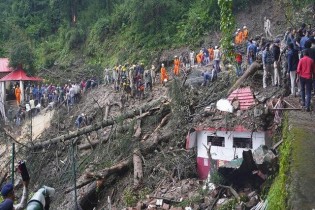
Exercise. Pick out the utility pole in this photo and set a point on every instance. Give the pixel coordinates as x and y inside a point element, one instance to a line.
<point>31,125</point>
<point>74,175</point>
<point>12,163</point>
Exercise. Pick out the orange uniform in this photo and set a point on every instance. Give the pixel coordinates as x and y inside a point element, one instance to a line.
<point>239,38</point>
<point>245,34</point>
<point>18,95</point>
<point>163,74</point>
<point>211,53</point>
<point>199,57</point>
<point>176,66</point>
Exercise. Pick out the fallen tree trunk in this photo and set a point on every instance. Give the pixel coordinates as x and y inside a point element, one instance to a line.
<point>250,71</point>
<point>124,128</point>
<point>138,129</point>
<point>105,173</point>
<point>146,148</point>
<point>106,111</point>
<point>137,168</point>
<point>99,125</point>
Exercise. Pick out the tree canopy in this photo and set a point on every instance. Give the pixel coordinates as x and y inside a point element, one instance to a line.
<point>104,32</point>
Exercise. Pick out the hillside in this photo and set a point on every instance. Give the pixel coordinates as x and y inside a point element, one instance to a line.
<point>59,35</point>
<point>132,153</point>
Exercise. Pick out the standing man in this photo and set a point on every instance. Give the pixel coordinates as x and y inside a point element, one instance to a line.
<point>153,75</point>
<point>293,60</point>
<point>245,33</point>
<point>268,60</point>
<point>176,66</point>
<point>217,58</point>
<point>164,76</point>
<point>276,55</point>
<point>305,72</point>
<point>192,58</point>
<point>147,80</point>
<point>267,26</point>
<point>251,52</point>
<point>238,59</point>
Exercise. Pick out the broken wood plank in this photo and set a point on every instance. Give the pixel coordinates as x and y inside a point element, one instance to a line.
<point>137,168</point>
<point>277,144</point>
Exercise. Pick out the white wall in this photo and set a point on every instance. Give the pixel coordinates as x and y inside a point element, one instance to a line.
<point>226,153</point>
<point>191,141</point>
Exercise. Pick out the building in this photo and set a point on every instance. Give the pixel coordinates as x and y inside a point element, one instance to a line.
<point>226,141</point>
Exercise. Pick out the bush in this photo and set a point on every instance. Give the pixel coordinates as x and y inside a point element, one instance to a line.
<point>75,37</point>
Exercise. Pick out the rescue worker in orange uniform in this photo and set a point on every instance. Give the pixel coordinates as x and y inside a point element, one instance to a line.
<point>237,41</point>
<point>211,53</point>
<point>18,95</point>
<point>164,76</point>
<point>176,66</point>
<point>199,58</point>
<point>245,33</point>
<point>240,36</point>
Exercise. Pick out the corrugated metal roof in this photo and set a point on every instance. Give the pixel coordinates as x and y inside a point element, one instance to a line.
<point>4,65</point>
<point>244,96</point>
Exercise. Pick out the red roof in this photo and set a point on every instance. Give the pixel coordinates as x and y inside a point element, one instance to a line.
<point>18,75</point>
<point>4,65</point>
<point>244,96</point>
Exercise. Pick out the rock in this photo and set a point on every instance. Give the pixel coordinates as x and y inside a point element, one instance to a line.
<point>140,206</point>
<point>261,98</point>
<point>252,194</point>
<point>236,105</point>
<point>252,202</point>
<point>185,189</point>
<point>239,113</point>
<point>221,202</point>
<point>240,207</point>
<point>262,155</point>
<point>151,206</point>
<point>203,206</point>
<point>165,206</point>
<point>258,112</point>
<point>214,193</point>
<point>207,201</point>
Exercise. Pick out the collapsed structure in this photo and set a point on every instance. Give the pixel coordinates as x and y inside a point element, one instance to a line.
<point>223,136</point>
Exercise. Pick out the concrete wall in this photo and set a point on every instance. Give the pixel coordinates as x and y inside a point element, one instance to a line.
<point>226,153</point>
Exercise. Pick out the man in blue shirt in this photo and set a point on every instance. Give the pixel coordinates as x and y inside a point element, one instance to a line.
<point>8,195</point>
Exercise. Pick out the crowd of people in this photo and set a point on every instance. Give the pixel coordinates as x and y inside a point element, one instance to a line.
<point>38,96</point>
<point>289,57</point>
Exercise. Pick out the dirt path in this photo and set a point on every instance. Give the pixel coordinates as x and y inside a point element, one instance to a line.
<point>39,123</point>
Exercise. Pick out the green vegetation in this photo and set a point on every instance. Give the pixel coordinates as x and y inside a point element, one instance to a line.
<point>101,32</point>
<point>108,32</point>
<point>278,194</point>
<point>227,27</point>
<point>231,204</point>
<point>129,197</point>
